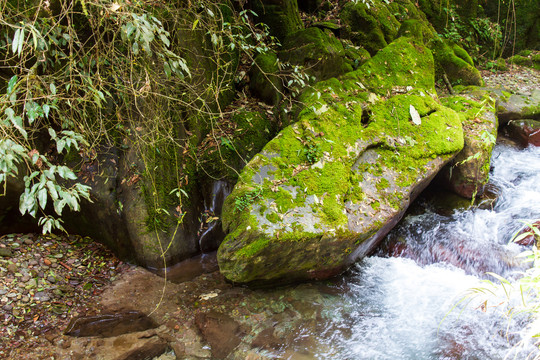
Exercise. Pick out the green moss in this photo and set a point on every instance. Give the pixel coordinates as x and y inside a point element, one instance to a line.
<point>332,210</point>
<point>320,53</point>
<point>458,66</point>
<point>273,217</point>
<point>370,26</point>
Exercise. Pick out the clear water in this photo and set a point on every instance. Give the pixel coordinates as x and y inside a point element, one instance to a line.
<point>401,307</point>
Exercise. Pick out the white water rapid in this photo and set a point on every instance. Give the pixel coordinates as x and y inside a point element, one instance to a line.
<point>399,308</point>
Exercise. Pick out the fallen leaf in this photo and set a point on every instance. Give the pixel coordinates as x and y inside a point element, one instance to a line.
<point>415,116</point>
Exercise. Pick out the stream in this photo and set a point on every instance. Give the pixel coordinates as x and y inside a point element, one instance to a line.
<point>401,307</point>
<point>406,301</point>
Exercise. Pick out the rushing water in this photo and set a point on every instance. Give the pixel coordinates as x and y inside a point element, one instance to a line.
<point>401,307</point>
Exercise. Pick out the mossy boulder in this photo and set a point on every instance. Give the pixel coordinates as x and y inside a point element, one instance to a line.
<point>468,172</point>
<point>372,26</point>
<point>324,191</point>
<point>265,82</point>
<point>281,16</point>
<point>318,51</point>
<point>517,106</point>
<point>455,63</point>
<point>224,157</point>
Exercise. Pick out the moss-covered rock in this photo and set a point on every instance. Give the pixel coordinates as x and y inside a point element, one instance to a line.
<point>516,106</point>
<point>225,157</point>
<point>265,82</point>
<point>329,187</point>
<point>455,63</point>
<point>319,52</point>
<point>281,16</point>
<point>468,172</point>
<point>370,26</point>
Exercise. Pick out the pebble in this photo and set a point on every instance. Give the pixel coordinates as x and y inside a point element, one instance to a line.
<point>32,262</point>
<point>47,262</point>
<point>12,268</point>
<point>41,296</point>
<point>11,295</point>
<point>7,307</point>
<point>25,299</point>
<point>3,292</point>
<point>25,278</point>
<point>51,279</point>
<point>28,242</point>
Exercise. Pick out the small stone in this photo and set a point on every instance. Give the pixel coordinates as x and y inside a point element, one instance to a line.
<point>5,252</point>
<point>25,278</point>
<point>12,268</point>
<point>54,265</point>
<point>7,307</point>
<point>47,262</point>
<point>15,312</point>
<point>25,299</point>
<point>32,263</point>
<point>28,241</point>
<point>51,279</point>
<point>11,295</point>
<point>41,296</point>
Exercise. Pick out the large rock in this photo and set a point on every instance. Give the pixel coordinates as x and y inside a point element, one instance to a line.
<point>281,16</point>
<point>328,188</point>
<point>468,172</point>
<point>517,106</point>
<point>319,52</point>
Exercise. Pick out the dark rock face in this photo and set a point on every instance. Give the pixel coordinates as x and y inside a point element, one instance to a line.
<point>282,16</point>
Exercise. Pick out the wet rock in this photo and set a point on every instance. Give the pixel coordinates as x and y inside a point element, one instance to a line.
<point>517,106</point>
<point>220,331</point>
<point>468,172</point>
<point>267,340</point>
<point>108,325</point>
<point>529,239</point>
<point>526,132</point>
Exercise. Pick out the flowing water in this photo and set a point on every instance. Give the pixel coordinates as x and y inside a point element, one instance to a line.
<point>400,307</point>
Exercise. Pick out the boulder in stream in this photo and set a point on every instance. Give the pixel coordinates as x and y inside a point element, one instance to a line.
<point>324,191</point>
<point>468,172</point>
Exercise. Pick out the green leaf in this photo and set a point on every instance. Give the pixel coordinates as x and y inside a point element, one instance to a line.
<point>53,88</point>
<point>46,109</point>
<point>11,84</point>
<point>42,198</point>
<point>60,145</point>
<point>165,40</point>
<point>135,48</point>
<point>52,133</point>
<point>15,42</point>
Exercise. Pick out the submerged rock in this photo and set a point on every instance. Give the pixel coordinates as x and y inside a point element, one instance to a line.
<point>329,187</point>
<point>108,325</point>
